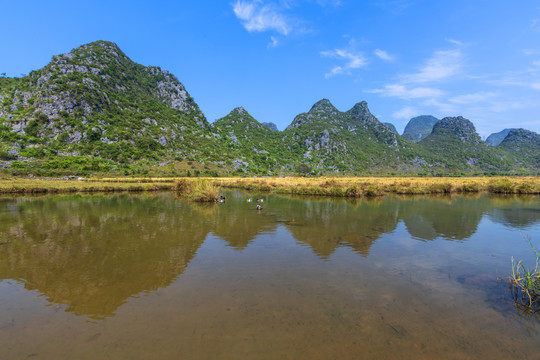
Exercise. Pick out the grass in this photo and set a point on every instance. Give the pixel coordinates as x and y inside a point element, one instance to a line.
<point>197,190</point>
<point>525,283</point>
<point>377,186</point>
<point>352,187</point>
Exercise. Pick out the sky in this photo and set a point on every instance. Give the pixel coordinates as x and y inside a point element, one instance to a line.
<point>479,59</point>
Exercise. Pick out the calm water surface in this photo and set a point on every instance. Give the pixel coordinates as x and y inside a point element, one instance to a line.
<point>151,276</point>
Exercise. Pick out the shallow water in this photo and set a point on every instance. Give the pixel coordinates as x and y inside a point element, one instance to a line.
<point>151,276</point>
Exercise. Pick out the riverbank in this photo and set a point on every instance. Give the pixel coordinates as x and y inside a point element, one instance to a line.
<point>377,186</point>
<point>324,186</point>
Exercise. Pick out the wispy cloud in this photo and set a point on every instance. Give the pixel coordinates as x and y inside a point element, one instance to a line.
<point>474,98</point>
<point>383,55</point>
<point>535,25</point>
<point>394,6</point>
<point>333,3</point>
<point>441,65</point>
<point>402,92</point>
<point>352,60</point>
<point>274,42</point>
<point>405,113</point>
<point>259,17</point>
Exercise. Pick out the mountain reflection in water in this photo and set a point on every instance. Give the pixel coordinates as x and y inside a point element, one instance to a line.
<point>93,252</point>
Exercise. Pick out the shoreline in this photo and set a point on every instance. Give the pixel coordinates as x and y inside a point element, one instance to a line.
<point>321,186</point>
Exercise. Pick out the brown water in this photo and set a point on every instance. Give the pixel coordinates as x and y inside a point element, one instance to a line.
<point>153,277</point>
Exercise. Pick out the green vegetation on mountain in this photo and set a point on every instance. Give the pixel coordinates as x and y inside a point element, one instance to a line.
<point>250,145</point>
<point>454,145</point>
<point>94,111</point>
<point>328,140</point>
<point>525,145</point>
<point>391,127</point>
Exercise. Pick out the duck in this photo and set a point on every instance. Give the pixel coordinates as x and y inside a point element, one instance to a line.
<point>259,207</point>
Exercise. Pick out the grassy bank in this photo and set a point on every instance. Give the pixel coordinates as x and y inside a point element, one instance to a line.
<point>325,186</point>
<point>376,186</point>
<point>36,186</point>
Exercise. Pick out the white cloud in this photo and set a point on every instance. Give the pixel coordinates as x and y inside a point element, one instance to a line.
<point>335,71</point>
<point>334,3</point>
<point>443,64</point>
<point>405,113</point>
<point>353,60</point>
<point>274,42</point>
<point>257,17</point>
<point>529,51</point>
<point>402,92</point>
<point>383,55</point>
<point>472,98</point>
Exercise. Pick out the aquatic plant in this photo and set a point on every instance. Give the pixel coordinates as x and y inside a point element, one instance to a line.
<point>525,282</point>
<point>204,191</point>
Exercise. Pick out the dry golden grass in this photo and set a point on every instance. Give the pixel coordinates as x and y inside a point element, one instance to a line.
<point>374,186</point>
<point>326,186</point>
<point>15,186</point>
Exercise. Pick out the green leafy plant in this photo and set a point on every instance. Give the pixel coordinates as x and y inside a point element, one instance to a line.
<point>525,282</point>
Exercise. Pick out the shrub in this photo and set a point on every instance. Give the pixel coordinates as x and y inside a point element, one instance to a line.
<point>502,186</point>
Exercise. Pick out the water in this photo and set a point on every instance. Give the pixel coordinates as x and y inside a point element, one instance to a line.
<point>151,276</point>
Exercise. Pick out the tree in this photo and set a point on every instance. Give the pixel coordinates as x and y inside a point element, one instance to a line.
<point>303,169</point>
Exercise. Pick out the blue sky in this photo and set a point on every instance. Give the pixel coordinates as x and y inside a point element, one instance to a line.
<point>475,58</point>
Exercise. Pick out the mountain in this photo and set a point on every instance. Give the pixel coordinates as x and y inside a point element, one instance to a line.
<point>391,127</point>
<point>353,141</point>
<point>95,111</point>
<point>454,144</point>
<point>525,145</point>
<point>496,138</point>
<point>271,126</point>
<point>251,146</point>
<point>95,101</point>
<point>419,127</point>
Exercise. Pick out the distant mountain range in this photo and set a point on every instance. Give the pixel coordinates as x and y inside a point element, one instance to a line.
<point>95,110</point>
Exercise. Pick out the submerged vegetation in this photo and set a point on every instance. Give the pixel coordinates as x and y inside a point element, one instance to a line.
<point>525,284</point>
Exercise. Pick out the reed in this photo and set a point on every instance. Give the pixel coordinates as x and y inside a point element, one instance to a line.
<point>201,190</point>
<point>353,187</point>
<point>525,283</point>
<point>204,191</point>
<point>376,186</point>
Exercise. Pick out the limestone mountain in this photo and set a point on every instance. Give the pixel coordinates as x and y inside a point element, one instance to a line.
<point>391,127</point>
<point>96,101</point>
<point>419,127</point>
<point>250,145</point>
<point>327,139</point>
<point>454,144</point>
<point>525,145</point>
<point>496,138</point>
<point>271,126</point>
<point>94,110</point>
